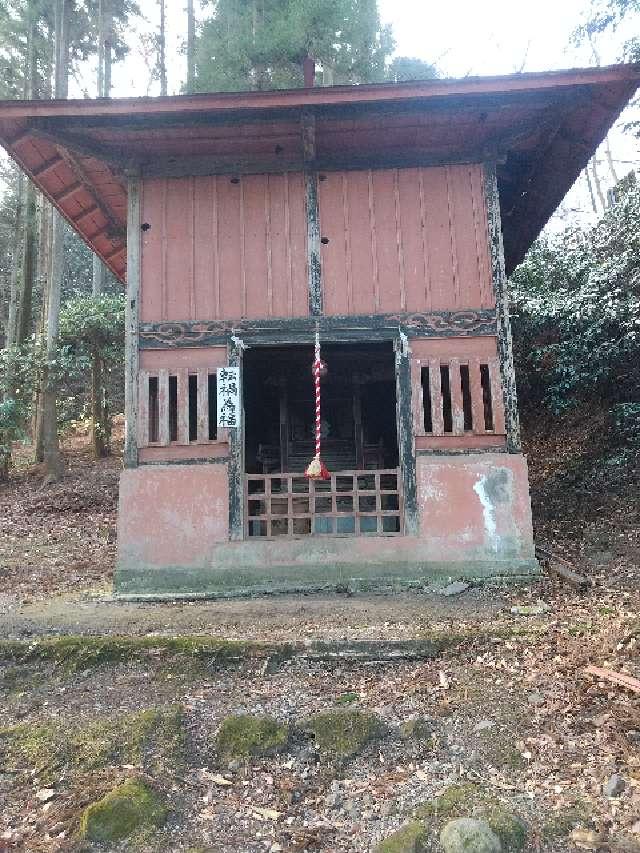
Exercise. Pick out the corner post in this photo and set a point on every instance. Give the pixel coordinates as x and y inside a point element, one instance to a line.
<point>308,128</point>
<point>236,452</point>
<point>404,416</point>
<point>499,278</point>
<point>131,323</point>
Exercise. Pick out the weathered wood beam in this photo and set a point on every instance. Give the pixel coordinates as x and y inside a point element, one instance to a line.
<point>314,264</point>
<point>131,323</point>
<point>404,420</point>
<point>82,145</point>
<point>236,453</point>
<point>439,324</point>
<point>505,344</point>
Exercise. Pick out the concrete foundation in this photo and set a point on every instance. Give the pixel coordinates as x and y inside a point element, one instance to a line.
<point>475,522</point>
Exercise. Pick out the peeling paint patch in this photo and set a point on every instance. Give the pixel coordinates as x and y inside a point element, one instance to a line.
<point>480,487</point>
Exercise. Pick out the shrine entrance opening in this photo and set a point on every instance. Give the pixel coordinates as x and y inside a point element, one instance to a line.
<point>359,442</point>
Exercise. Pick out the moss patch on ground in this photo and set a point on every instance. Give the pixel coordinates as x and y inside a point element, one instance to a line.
<point>412,838</point>
<point>125,810</point>
<point>152,739</point>
<point>243,736</point>
<point>342,734</point>
<point>79,653</point>
<point>473,801</point>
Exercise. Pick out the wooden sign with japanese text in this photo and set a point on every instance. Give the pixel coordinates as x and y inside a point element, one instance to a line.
<point>228,394</point>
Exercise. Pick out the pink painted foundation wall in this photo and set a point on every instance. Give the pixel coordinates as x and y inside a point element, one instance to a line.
<point>172,516</point>
<point>475,507</point>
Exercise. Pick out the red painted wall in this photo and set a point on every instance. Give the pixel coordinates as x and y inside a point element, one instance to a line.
<point>395,240</point>
<point>217,249</point>
<point>404,240</point>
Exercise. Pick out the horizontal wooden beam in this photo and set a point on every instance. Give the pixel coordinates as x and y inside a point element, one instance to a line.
<point>440,324</point>
<point>86,147</point>
<point>176,167</point>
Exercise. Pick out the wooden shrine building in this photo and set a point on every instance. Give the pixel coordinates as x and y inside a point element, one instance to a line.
<point>385,216</point>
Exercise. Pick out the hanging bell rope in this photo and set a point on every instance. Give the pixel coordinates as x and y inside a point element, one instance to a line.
<point>316,470</point>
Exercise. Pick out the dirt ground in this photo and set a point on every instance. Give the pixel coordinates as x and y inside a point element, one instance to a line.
<point>505,707</point>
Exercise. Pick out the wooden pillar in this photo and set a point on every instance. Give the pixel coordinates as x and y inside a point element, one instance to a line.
<point>131,324</point>
<point>308,126</point>
<point>236,452</point>
<point>505,344</point>
<point>404,418</point>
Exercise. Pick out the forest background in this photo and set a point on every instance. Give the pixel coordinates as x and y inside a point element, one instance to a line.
<point>575,299</point>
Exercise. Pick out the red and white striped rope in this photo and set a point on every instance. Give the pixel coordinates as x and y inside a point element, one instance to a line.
<point>317,365</point>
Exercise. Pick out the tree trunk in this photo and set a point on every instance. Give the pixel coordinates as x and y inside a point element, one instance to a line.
<point>612,168</point>
<point>105,38</point>
<point>50,445</point>
<point>13,319</point>
<point>25,306</point>
<point>97,411</point>
<point>191,47</point>
<point>597,184</point>
<point>162,64</point>
<point>594,206</point>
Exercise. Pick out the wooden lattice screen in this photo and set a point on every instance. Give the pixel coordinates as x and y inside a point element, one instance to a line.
<point>351,503</point>
<point>458,396</point>
<point>177,407</point>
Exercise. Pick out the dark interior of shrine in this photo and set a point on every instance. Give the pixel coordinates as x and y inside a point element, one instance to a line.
<point>358,408</point>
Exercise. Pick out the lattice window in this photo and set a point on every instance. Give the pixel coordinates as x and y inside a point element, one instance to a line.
<point>458,397</point>
<point>351,503</point>
<point>177,407</point>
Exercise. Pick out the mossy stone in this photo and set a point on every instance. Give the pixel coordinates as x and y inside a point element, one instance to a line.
<point>343,733</point>
<point>467,835</point>
<point>461,801</point>
<point>412,838</point>
<point>125,810</point>
<point>242,736</point>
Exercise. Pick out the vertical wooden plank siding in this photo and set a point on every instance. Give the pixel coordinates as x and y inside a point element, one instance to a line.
<point>178,242</point>
<point>224,247</point>
<point>163,407</point>
<point>455,384</point>
<point>475,387</point>
<point>151,253</point>
<point>256,266</point>
<point>435,389</point>
<point>404,239</point>
<point>203,405</point>
<point>143,409</point>
<point>183,405</point>
<point>417,396</point>
<point>505,345</point>
<point>495,378</point>
<point>131,324</point>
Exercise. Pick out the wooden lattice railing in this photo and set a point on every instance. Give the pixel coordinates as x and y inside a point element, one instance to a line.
<point>351,503</point>
<point>177,407</point>
<point>458,396</point>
